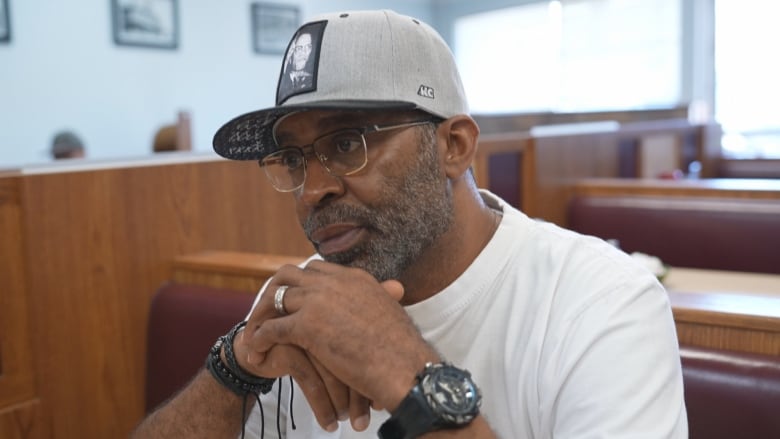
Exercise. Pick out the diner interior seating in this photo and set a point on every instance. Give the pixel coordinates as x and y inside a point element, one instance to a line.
<point>695,232</point>
<point>112,230</point>
<point>184,322</point>
<point>728,394</point>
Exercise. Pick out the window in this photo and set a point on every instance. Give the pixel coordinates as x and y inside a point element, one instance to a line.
<point>747,93</point>
<point>572,56</point>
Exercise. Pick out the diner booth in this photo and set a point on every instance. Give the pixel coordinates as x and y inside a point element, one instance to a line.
<point>117,275</point>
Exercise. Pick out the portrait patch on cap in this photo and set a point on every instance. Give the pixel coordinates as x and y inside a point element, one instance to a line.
<point>301,60</point>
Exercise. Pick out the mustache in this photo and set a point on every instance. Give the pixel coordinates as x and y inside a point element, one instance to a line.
<point>337,213</point>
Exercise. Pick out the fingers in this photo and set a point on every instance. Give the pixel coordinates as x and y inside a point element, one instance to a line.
<point>339,393</point>
<point>289,360</point>
<point>327,304</point>
<point>394,289</point>
<point>316,391</point>
<point>359,410</point>
<point>298,281</point>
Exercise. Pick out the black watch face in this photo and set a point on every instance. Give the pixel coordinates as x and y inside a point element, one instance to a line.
<point>452,394</point>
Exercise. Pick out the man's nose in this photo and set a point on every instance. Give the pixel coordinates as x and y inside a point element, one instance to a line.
<point>319,184</point>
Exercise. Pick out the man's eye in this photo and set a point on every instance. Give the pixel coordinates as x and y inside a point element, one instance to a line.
<point>291,160</point>
<point>346,144</point>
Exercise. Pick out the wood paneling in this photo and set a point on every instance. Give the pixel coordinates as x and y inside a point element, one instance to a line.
<point>550,163</point>
<point>743,321</point>
<point>756,168</point>
<point>709,187</point>
<point>713,335</point>
<point>95,245</point>
<point>725,309</point>
<point>498,165</point>
<point>747,321</point>
<point>18,417</point>
<point>232,270</point>
<point>490,124</point>
<point>553,165</point>
<point>22,421</point>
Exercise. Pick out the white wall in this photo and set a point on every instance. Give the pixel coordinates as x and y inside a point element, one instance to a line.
<point>62,70</point>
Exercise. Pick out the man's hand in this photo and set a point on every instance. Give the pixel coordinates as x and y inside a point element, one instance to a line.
<point>352,329</point>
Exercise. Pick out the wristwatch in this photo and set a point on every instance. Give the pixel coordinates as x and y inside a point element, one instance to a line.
<point>444,397</point>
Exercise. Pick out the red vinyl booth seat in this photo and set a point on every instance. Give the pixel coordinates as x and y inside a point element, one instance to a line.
<point>184,322</point>
<point>717,234</point>
<point>728,394</point>
<point>731,394</point>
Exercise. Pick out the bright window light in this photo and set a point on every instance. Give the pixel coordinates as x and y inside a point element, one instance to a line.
<point>747,40</point>
<point>574,56</point>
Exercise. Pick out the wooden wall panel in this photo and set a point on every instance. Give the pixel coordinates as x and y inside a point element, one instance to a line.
<point>17,370</point>
<point>746,321</point>
<point>490,124</point>
<point>729,338</point>
<point>232,270</point>
<point>552,165</point>
<point>763,189</point>
<point>498,165</point>
<point>552,160</point>
<point>22,421</point>
<point>97,245</point>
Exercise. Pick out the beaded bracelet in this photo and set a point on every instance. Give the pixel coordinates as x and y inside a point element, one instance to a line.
<point>232,375</point>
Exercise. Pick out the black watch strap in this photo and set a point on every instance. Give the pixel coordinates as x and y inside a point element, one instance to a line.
<point>443,397</point>
<point>409,409</point>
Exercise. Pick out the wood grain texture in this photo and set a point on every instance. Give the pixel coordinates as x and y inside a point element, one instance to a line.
<point>728,337</point>
<point>498,148</point>
<point>21,421</point>
<point>746,321</point>
<point>17,369</point>
<point>765,189</point>
<point>725,309</point>
<point>552,165</point>
<point>232,270</point>
<point>96,245</point>
<point>743,168</point>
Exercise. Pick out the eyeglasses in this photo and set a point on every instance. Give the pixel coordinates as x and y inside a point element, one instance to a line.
<point>341,153</point>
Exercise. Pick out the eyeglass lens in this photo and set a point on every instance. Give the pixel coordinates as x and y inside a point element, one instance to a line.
<point>341,153</point>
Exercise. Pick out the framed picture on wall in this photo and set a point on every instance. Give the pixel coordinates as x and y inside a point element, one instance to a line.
<point>146,23</point>
<point>5,22</point>
<point>272,27</point>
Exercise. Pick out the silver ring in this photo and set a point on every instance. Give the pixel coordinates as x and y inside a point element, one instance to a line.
<point>279,300</point>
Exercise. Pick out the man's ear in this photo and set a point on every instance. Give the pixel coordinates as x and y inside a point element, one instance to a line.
<point>458,136</point>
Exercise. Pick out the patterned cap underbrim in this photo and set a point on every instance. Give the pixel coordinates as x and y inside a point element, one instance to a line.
<point>250,136</point>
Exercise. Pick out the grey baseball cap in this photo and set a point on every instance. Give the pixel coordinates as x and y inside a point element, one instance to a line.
<point>361,60</point>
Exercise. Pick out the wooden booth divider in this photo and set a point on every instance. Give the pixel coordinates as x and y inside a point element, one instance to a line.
<point>83,248</point>
<point>712,308</point>
<point>537,170</point>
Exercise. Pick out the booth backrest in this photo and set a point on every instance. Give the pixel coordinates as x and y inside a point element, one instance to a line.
<point>731,395</point>
<point>728,394</point>
<point>720,234</point>
<point>184,322</point>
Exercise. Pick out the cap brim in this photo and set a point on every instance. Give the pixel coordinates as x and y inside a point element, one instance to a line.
<point>250,136</point>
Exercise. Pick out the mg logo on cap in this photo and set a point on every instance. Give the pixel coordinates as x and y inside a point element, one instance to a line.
<point>425,91</point>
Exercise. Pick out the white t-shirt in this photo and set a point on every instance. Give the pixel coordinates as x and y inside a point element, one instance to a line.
<point>566,336</point>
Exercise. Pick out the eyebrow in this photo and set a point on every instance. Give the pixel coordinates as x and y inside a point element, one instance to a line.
<point>342,120</point>
<point>346,120</point>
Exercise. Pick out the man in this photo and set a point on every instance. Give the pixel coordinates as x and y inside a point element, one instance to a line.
<point>297,75</point>
<point>67,145</point>
<point>431,308</point>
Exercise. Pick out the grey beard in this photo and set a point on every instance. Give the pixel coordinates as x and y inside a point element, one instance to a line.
<point>412,213</point>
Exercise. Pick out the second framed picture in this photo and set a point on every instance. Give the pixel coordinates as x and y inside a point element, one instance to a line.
<point>146,23</point>
<point>5,22</point>
<point>272,27</point>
